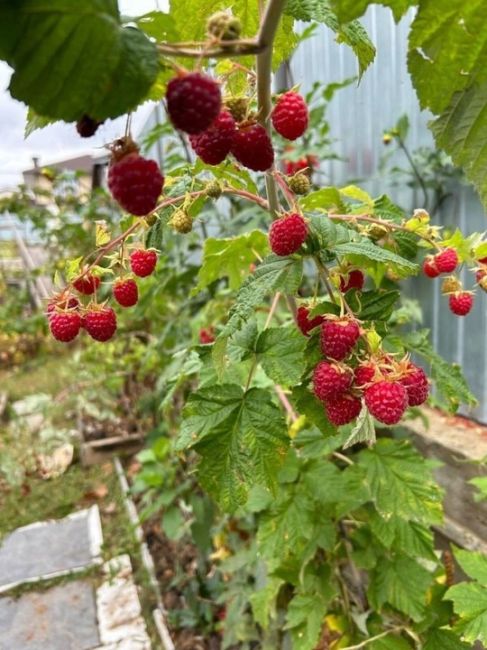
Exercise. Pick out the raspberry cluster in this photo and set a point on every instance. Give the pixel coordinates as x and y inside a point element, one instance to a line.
<point>67,315</point>
<point>460,301</point>
<point>346,382</point>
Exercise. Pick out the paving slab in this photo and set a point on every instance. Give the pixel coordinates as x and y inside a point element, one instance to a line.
<point>61,618</point>
<point>52,548</point>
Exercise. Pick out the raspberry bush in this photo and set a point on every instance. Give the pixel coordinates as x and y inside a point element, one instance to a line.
<point>282,359</point>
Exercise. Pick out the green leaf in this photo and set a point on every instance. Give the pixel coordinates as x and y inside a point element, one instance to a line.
<point>442,639</point>
<point>173,523</point>
<point>470,603</point>
<point>326,199</point>
<point>402,583</point>
<point>363,430</point>
<point>401,482</point>
<point>448,377</point>
<point>61,81</point>
<point>409,537</point>
<point>349,9</point>
<point>474,564</point>
<point>263,602</point>
<point>241,438</point>
<point>305,619</point>
<point>34,122</point>
<point>281,354</point>
<point>377,305</point>
<point>158,25</point>
<point>230,258</point>
<point>307,404</point>
<point>273,274</point>
<point>372,252</point>
<point>480,482</point>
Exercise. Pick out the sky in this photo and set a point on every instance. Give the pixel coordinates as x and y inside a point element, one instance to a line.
<point>54,142</point>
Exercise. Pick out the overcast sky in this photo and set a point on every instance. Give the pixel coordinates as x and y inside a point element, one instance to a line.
<point>53,142</point>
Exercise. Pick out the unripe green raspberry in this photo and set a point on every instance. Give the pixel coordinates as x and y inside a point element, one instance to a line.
<point>150,219</point>
<point>181,222</point>
<point>238,107</point>
<point>375,231</point>
<point>299,184</point>
<point>223,25</point>
<point>451,284</point>
<point>214,189</point>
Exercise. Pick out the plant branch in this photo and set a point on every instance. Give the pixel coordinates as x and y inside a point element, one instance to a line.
<point>419,178</point>
<point>373,638</point>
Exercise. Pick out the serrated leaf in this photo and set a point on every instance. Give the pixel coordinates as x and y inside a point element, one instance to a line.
<point>442,639</point>
<point>372,252</point>
<point>230,258</point>
<point>401,482</point>
<point>470,603</point>
<point>281,354</point>
<point>357,193</point>
<point>352,34</point>
<point>307,404</point>
<point>102,234</point>
<point>35,122</point>
<point>61,81</point>
<point>263,601</point>
<point>402,583</point>
<point>377,305</point>
<point>350,9</point>
<point>72,268</point>
<point>241,438</point>
<point>474,564</point>
<point>409,537</point>
<point>363,430</point>
<point>305,616</point>
<point>386,209</point>
<point>273,274</point>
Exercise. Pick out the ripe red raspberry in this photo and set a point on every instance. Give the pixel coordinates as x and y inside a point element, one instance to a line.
<point>65,325</point>
<point>386,401</point>
<point>306,324</point>
<point>447,260</point>
<point>125,292</point>
<point>287,234</point>
<point>290,115</point>
<point>87,126</point>
<point>338,337</point>
<point>343,409</point>
<point>305,165</point>
<point>330,381</point>
<point>193,102</point>
<point>416,384</point>
<point>143,262</point>
<point>214,144</point>
<point>363,375</point>
<point>429,267</point>
<point>87,284</point>
<point>482,260</point>
<point>100,323</point>
<point>354,280</point>
<point>252,147</point>
<point>135,183</point>
<point>206,335</point>
<point>461,302</point>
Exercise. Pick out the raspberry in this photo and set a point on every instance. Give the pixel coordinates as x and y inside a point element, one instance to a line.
<point>214,189</point>
<point>461,302</point>
<point>354,280</point>
<point>287,234</point>
<point>299,184</point>
<point>135,183</point>
<point>214,144</point>
<point>343,409</point>
<point>193,102</point>
<point>363,375</point>
<point>252,147</point>
<point>338,337</point>
<point>447,260</point>
<point>482,260</point>
<point>386,401</point>
<point>224,26</point>
<point>480,275</point>
<point>100,323</point>
<point>330,381</point>
<point>65,325</point>
<point>238,107</point>
<point>290,115</point>
<point>181,221</point>
<point>125,292</point>
<point>87,126</point>
<point>143,262</point>
<point>206,335</point>
<point>429,267</point>
<point>87,284</point>
<point>306,324</point>
<point>416,385</point>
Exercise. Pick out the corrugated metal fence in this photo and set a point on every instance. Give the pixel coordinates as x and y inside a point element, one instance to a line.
<point>358,118</point>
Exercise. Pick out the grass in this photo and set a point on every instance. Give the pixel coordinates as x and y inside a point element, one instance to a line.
<point>45,374</point>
